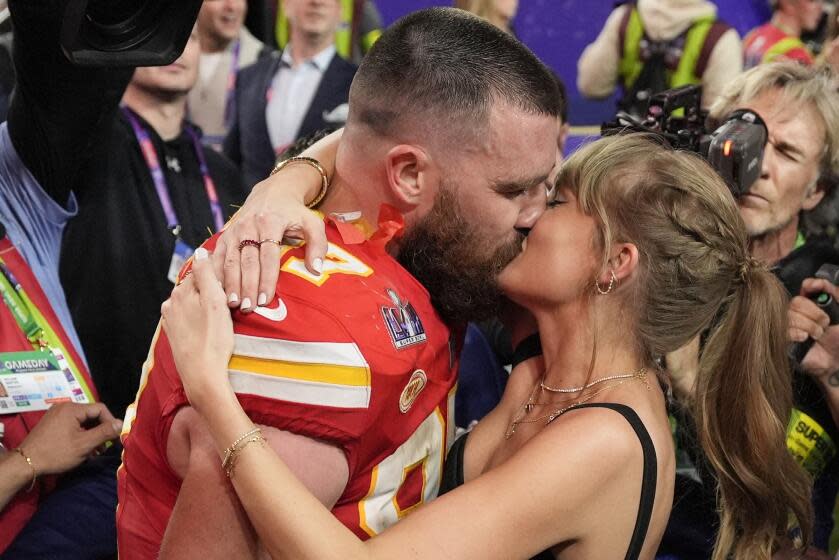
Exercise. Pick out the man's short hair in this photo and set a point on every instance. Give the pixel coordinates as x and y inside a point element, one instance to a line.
<point>448,66</point>
<point>799,84</point>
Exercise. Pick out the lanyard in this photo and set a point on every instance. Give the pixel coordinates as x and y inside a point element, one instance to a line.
<point>159,179</point>
<point>230,98</point>
<point>15,299</point>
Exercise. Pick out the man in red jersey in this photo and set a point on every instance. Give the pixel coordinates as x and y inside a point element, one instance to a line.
<point>781,37</point>
<point>448,148</point>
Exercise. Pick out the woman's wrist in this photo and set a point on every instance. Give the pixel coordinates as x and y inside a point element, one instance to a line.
<point>16,470</point>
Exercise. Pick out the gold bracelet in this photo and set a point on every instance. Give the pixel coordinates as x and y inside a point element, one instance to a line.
<point>324,185</point>
<point>228,453</point>
<point>257,438</point>
<point>31,466</point>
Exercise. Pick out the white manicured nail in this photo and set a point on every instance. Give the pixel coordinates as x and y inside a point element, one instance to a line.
<point>201,254</point>
<point>317,264</point>
<point>246,304</point>
<point>232,298</point>
<point>262,299</point>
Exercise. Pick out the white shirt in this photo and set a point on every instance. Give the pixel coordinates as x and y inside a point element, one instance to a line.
<point>291,94</point>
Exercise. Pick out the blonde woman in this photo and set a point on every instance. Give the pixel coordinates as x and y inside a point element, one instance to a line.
<point>642,249</point>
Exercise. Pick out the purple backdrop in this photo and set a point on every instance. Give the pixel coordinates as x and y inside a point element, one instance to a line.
<point>558,30</point>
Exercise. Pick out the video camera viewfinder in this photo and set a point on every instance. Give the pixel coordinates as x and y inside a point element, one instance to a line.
<point>734,150</point>
<point>127,32</point>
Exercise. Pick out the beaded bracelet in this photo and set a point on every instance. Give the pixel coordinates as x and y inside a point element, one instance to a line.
<point>324,186</point>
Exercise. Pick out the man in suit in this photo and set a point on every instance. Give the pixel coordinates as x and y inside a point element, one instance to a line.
<point>286,96</point>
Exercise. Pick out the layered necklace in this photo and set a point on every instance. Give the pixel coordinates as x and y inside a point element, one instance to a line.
<point>611,381</point>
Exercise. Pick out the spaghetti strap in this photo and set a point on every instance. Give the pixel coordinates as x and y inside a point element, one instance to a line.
<point>648,480</point>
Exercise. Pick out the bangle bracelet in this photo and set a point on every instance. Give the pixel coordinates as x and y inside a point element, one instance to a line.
<point>31,466</point>
<point>324,185</point>
<point>232,452</point>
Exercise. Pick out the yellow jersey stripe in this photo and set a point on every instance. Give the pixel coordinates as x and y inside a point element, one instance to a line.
<point>318,373</point>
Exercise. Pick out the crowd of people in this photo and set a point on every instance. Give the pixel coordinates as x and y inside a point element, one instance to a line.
<point>277,296</point>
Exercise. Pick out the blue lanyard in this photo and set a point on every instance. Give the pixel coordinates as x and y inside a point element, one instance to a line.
<point>159,179</point>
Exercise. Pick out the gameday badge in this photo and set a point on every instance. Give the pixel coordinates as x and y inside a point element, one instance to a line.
<point>412,390</point>
<point>402,322</point>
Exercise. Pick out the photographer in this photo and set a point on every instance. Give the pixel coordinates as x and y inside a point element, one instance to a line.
<point>801,111</point>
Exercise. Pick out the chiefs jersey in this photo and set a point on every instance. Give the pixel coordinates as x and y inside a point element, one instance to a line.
<point>356,357</point>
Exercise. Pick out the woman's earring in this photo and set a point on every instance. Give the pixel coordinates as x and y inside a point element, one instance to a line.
<point>608,290</point>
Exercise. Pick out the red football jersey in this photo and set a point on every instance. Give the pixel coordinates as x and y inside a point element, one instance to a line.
<point>356,357</point>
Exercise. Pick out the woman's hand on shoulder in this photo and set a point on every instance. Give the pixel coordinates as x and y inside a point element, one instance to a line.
<point>197,322</point>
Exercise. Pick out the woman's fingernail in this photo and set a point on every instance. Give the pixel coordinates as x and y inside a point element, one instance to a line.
<point>201,254</point>
<point>246,304</point>
<point>317,264</point>
<point>232,298</point>
<point>262,299</point>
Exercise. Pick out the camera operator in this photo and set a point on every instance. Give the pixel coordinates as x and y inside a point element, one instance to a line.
<point>800,108</point>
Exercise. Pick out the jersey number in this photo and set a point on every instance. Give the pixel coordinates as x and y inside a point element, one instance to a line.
<point>337,261</point>
<point>422,456</point>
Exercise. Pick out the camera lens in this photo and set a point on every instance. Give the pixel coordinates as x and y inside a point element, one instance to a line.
<point>107,13</point>
<point>118,25</point>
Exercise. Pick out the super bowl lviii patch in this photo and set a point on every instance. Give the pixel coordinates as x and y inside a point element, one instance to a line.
<point>402,322</point>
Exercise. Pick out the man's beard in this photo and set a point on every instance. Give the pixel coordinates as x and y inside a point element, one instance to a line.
<point>450,257</point>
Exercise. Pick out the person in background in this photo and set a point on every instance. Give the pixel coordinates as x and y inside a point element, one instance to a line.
<point>292,94</point>
<point>55,115</point>
<point>360,27</point>
<point>500,13</point>
<point>800,107</point>
<point>653,45</point>
<point>781,36</point>
<point>830,51</point>
<point>226,48</point>
<point>148,193</point>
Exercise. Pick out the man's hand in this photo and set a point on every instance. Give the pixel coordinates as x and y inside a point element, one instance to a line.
<point>67,434</point>
<point>807,320</point>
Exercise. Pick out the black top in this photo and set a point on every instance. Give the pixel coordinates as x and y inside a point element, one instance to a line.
<point>453,476</point>
<point>117,251</point>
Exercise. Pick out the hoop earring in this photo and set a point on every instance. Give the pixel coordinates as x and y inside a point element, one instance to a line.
<point>608,290</point>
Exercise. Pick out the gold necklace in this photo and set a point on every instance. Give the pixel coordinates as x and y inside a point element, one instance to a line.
<point>592,384</point>
<point>641,375</point>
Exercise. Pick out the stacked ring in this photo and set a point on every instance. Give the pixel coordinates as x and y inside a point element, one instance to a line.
<point>274,241</point>
<point>248,242</point>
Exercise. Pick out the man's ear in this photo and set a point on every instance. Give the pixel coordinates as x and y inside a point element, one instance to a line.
<point>623,260</point>
<point>409,175</point>
<point>813,194</point>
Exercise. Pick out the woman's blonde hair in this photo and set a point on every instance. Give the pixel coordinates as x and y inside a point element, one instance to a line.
<point>695,273</point>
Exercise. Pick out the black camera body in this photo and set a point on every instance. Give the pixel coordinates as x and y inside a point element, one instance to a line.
<point>735,149</point>
<point>120,33</point>
<point>825,301</point>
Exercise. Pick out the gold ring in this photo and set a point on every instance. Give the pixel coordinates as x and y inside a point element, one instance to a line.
<point>274,241</point>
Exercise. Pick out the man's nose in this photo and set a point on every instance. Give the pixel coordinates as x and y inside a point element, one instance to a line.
<point>534,206</point>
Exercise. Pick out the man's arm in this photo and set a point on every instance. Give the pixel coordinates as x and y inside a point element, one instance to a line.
<point>208,521</point>
<point>58,110</point>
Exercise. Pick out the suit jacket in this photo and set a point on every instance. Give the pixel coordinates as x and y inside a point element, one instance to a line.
<point>248,143</point>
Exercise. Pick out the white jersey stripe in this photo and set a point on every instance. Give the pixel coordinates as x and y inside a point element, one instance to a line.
<point>335,353</point>
<point>299,391</point>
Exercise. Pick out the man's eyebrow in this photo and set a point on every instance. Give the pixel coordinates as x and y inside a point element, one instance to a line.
<point>785,146</point>
<point>519,185</point>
